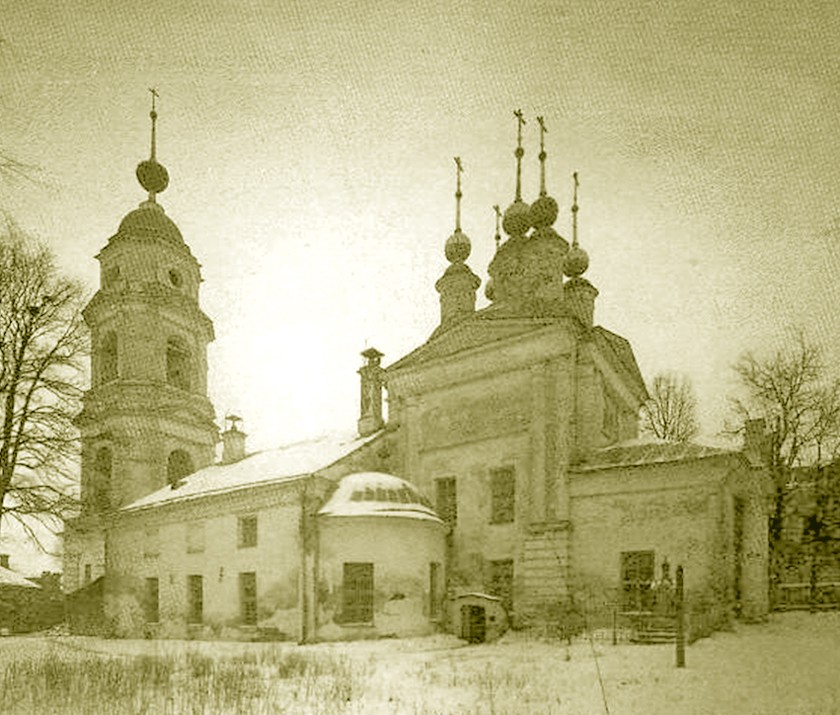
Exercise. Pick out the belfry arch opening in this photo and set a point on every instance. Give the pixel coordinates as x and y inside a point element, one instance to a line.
<point>109,365</point>
<point>178,363</point>
<point>178,466</point>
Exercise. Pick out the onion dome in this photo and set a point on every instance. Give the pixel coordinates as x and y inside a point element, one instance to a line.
<point>517,218</point>
<point>576,263</point>
<point>457,247</point>
<point>152,176</point>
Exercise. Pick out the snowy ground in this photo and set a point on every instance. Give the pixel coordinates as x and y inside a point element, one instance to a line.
<point>789,665</point>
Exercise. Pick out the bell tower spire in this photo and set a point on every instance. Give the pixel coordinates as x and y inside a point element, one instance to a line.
<point>152,175</point>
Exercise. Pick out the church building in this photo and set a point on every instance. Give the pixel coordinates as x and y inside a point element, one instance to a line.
<point>507,483</point>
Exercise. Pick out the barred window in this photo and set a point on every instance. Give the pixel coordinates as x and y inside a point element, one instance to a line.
<point>248,598</point>
<point>446,500</point>
<point>636,580</point>
<point>503,495</point>
<point>195,599</point>
<point>357,593</point>
<point>247,531</point>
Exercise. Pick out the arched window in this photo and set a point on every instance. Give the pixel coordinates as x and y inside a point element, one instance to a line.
<point>177,363</point>
<point>178,466</point>
<point>102,469</point>
<point>108,360</point>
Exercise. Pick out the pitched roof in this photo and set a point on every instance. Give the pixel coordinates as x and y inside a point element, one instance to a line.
<point>486,326</point>
<point>270,466</point>
<point>636,453</point>
<point>619,353</point>
<point>11,578</point>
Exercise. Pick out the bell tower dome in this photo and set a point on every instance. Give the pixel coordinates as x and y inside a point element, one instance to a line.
<point>146,419</point>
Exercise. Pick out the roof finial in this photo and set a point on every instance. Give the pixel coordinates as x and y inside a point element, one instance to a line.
<point>543,155</point>
<point>519,153</point>
<point>458,170</point>
<point>498,236</point>
<point>575,211</point>
<point>153,176</point>
<point>153,115</point>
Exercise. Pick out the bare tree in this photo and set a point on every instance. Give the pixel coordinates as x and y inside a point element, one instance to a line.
<point>42,346</point>
<point>794,389</point>
<point>671,411</point>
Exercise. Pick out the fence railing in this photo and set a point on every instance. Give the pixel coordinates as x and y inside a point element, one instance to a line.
<point>798,596</point>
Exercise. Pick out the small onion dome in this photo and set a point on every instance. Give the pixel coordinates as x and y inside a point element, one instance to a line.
<point>517,218</point>
<point>149,221</point>
<point>457,247</point>
<point>576,262</point>
<point>543,212</point>
<point>152,176</point>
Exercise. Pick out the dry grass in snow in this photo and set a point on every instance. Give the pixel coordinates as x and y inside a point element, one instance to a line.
<point>789,665</point>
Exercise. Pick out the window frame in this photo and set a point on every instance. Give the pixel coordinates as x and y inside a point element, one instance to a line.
<point>248,606</point>
<point>195,606</point>
<point>357,592</point>
<point>636,579</point>
<point>446,500</point>
<point>503,495</point>
<point>241,532</point>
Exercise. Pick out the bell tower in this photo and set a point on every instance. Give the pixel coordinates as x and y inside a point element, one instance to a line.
<point>146,420</point>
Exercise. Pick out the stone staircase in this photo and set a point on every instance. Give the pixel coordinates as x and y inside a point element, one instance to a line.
<point>651,629</point>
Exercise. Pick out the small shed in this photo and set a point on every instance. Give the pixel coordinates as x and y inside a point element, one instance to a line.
<point>477,617</point>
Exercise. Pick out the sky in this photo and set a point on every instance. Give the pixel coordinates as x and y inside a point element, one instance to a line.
<point>310,146</point>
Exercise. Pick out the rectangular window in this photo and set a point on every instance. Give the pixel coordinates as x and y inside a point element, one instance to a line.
<point>195,599</point>
<point>446,500</point>
<point>247,531</point>
<point>248,598</point>
<point>434,590</point>
<point>151,543</point>
<point>502,495</point>
<point>636,579</point>
<point>357,593</point>
<point>500,581</point>
<point>152,601</point>
<point>195,537</point>
<point>87,574</point>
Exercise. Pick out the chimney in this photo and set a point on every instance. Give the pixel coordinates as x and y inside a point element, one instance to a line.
<point>756,441</point>
<point>233,441</point>
<point>370,418</point>
<point>4,561</point>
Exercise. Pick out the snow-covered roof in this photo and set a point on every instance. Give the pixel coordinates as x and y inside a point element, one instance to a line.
<point>378,494</point>
<point>11,578</point>
<point>639,452</point>
<point>266,467</point>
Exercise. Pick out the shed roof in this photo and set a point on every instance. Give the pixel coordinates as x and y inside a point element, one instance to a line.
<point>12,578</point>
<point>634,453</point>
